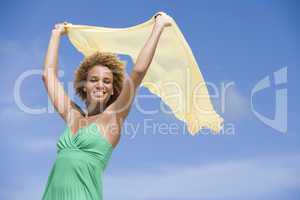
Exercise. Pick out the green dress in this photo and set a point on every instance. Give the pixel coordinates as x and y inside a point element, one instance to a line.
<point>78,168</point>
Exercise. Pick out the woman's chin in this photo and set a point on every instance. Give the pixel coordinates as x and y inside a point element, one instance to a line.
<point>98,99</point>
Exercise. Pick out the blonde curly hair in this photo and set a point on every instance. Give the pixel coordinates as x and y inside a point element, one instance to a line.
<point>111,61</point>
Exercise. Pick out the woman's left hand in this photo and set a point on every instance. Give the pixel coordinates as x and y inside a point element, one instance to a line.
<point>163,19</point>
<point>60,28</point>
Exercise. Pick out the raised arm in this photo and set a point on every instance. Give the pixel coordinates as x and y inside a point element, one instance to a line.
<point>123,103</point>
<point>56,92</point>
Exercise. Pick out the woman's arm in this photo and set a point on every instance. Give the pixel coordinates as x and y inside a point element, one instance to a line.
<point>56,92</point>
<point>146,54</point>
<point>123,103</point>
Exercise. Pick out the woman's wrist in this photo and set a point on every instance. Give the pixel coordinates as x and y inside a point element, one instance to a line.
<point>159,27</point>
<point>163,20</point>
<point>56,34</point>
<point>59,29</point>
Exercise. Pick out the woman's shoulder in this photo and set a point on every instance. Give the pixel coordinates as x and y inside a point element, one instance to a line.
<point>77,108</point>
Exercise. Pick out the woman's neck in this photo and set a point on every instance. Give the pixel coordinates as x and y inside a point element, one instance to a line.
<point>94,109</point>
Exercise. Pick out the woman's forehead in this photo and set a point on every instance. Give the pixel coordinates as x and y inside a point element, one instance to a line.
<point>100,70</point>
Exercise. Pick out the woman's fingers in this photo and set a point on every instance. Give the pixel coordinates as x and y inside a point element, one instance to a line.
<point>66,23</point>
<point>164,19</point>
<point>158,14</point>
<point>60,28</point>
<point>61,24</point>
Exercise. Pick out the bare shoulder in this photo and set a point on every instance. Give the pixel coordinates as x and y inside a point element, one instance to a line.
<point>110,126</point>
<point>74,115</point>
<point>77,108</point>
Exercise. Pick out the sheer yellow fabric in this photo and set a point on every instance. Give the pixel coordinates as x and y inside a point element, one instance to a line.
<point>174,75</point>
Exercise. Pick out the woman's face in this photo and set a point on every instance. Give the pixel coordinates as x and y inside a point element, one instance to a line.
<point>99,85</point>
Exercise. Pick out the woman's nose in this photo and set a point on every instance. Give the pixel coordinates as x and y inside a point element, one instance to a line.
<point>99,85</point>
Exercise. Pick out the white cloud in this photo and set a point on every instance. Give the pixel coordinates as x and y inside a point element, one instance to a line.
<point>234,179</point>
<point>15,59</point>
<point>240,179</point>
<point>230,102</point>
<point>37,144</point>
<point>12,116</point>
<point>27,187</point>
<point>11,112</point>
<point>237,105</point>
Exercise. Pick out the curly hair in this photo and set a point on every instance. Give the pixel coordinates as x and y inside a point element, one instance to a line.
<point>111,61</point>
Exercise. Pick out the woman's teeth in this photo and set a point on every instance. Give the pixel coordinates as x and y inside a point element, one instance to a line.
<point>99,93</point>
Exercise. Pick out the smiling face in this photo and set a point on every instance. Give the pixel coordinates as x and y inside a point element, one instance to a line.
<point>99,79</point>
<point>99,85</point>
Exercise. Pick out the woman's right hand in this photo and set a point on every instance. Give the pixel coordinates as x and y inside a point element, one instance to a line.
<point>60,29</point>
<point>163,19</point>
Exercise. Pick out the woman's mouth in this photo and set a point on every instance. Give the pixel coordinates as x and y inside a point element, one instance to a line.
<point>99,94</point>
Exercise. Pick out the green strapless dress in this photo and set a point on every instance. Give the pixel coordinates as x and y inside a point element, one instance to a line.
<point>78,168</point>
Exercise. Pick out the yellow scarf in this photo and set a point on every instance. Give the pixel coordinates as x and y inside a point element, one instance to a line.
<point>174,75</point>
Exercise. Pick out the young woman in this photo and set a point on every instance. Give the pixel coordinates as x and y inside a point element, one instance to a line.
<point>86,145</point>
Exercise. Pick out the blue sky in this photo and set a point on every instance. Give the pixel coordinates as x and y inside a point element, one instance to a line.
<point>234,42</point>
